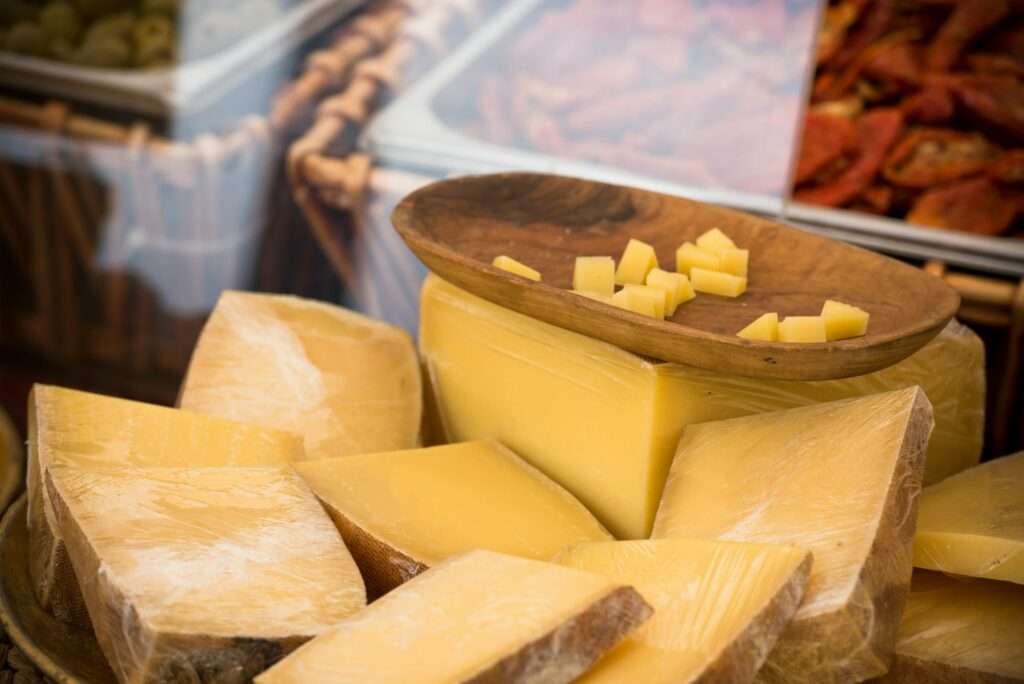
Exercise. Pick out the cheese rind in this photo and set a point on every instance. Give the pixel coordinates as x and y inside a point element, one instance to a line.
<point>719,606</point>
<point>477,617</point>
<point>637,261</point>
<point>843,320</point>
<point>507,263</point>
<point>345,383</point>
<point>405,511</point>
<point>717,283</point>
<point>841,479</point>
<point>595,275</point>
<point>765,328</point>
<point>802,329</point>
<point>690,256</point>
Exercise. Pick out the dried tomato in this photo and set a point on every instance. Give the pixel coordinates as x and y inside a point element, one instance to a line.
<point>968,20</point>
<point>1009,168</point>
<point>930,156</point>
<point>825,137</point>
<point>976,205</point>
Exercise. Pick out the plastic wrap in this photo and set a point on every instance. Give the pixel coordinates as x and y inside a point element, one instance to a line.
<point>973,523</point>
<point>201,574</point>
<point>402,512</point>
<point>719,606</point>
<point>841,479</point>
<point>348,384</point>
<point>480,617</point>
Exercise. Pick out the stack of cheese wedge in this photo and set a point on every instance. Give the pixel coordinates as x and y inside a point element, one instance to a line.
<point>576,511</point>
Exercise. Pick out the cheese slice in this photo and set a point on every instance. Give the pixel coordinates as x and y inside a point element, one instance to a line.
<point>840,479</point>
<point>960,630</point>
<point>604,423</point>
<point>973,523</point>
<point>346,383</point>
<point>201,574</point>
<point>507,263</point>
<point>404,511</point>
<point>718,606</point>
<point>477,617</point>
<point>93,431</point>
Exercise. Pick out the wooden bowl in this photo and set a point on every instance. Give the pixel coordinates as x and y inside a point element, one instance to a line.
<point>12,461</point>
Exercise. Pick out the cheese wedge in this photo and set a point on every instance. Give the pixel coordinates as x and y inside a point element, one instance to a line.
<point>715,241</point>
<point>718,606</point>
<point>802,329</point>
<point>638,259</point>
<point>93,431</point>
<point>594,274</point>
<point>689,256</point>
<point>765,327</point>
<point>843,320</point>
<point>346,383</point>
<point>604,423</point>
<point>201,574</point>
<point>507,263</point>
<point>959,630</point>
<point>649,301</point>
<point>717,283</point>
<point>973,523</point>
<point>841,479</point>
<point>477,617</point>
<point>404,511</point>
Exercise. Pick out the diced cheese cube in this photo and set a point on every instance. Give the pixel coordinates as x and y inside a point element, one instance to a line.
<point>802,329</point>
<point>649,301</point>
<point>690,256</point>
<point>765,328</point>
<point>637,261</point>
<point>717,283</point>
<point>594,274</point>
<point>715,241</point>
<point>676,285</point>
<point>843,320</point>
<point>507,263</point>
<point>734,261</point>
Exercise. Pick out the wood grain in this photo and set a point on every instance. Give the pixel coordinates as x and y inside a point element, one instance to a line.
<point>456,227</point>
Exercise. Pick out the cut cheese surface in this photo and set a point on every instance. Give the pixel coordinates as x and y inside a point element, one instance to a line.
<point>840,479</point>
<point>345,383</point>
<point>718,606</point>
<point>480,616</point>
<point>717,283</point>
<point>676,285</point>
<point>202,569</point>
<point>973,523</point>
<point>735,261</point>
<point>715,241</point>
<point>802,329</point>
<point>595,274</point>
<point>402,512</point>
<point>650,301</point>
<point>507,263</point>
<point>765,327</point>
<point>843,320</point>
<point>637,261</point>
<point>690,256</point>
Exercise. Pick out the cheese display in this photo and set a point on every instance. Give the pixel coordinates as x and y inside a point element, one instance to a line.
<point>676,286</point>
<point>843,320</point>
<point>507,263</point>
<point>765,328</point>
<point>595,275</point>
<point>718,606</point>
<point>637,261</point>
<point>959,630</point>
<point>405,511</point>
<point>95,432</point>
<point>717,282</point>
<point>477,617</point>
<point>690,256</point>
<point>973,523</point>
<point>346,383</point>
<point>201,574</point>
<point>841,479</point>
<point>802,329</point>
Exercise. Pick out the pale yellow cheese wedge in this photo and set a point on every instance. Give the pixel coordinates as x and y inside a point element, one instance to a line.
<point>477,617</point>
<point>715,241</point>
<point>201,574</point>
<point>735,261</point>
<point>595,274</point>
<point>717,283</point>
<point>507,263</point>
<point>637,261</point>
<point>650,301</point>
<point>840,479</point>
<point>690,256</point>
<point>676,285</point>
<point>345,383</point>
<point>843,320</point>
<point>765,328</point>
<point>973,523</point>
<point>719,607</point>
<point>404,511</point>
<point>802,329</point>
<point>959,630</point>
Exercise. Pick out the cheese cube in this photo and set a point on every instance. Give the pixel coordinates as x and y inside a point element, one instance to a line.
<point>843,320</point>
<point>201,573</point>
<point>676,285</point>
<point>973,523</point>
<point>346,383</point>
<point>714,282</point>
<point>802,329</point>
<point>478,617</point>
<point>690,256</point>
<point>404,511</point>
<point>765,328</point>
<point>509,264</point>
<point>637,261</point>
<point>840,479</point>
<point>734,261</point>
<point>718,606</point>
<point>715,241</point>
<point>595,275</point>
<point>649,301</point>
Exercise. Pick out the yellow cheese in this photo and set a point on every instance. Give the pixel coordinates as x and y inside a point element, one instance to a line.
<point>541,390</point>
<point>404,511</point>
<point>843,320</point>
<point>765,327</point>
<point>346,383</point>
<point>605,299</point>
<point>90,430</point>
<point>477,617</point>
<point>715,282</point>
<point>637,261</point>
<point>690,256</point>
<point>507,263</point>
<point>840,479</point>
<point>959,630</point>
<point>676,285</point>
<point>595,275</point>
<point>802,329</point>
<point>719,607</point>
<point>973,523</point>
<point>715,241</point>
<point>650,301</point>
<point>201,574</point>
<point>735,261</point>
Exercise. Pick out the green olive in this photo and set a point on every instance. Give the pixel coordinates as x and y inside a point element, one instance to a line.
<point>107,51</point>
<point>61,20</point>
<point>27,38</point>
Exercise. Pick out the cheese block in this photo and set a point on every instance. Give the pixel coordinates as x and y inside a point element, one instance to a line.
<point>477,617</point>
<point>718,606</point>
<point>404,511</point>
<point>93,431</point>
<point>201,574</point>
<point>973,523</point>
<point>957,630</point>
<point>346,383</point>
<point>841,479</point>
<point>604,423</point>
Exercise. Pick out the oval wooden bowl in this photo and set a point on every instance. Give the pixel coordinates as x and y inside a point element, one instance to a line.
<point>11,461</point>
<point>457,227</point>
